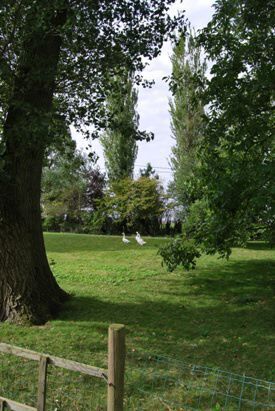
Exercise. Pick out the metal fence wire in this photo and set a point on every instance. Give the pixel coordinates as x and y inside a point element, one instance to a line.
<point>152,383</point>
<point>167,384</point>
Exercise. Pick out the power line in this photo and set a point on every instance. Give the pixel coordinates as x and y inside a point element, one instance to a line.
<point>164,172</point>
<point>159,170</point>
<point>155,168</point>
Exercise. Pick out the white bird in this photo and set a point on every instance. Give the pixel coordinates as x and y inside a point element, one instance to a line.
<point>139,240</point>
<point>124,239</point>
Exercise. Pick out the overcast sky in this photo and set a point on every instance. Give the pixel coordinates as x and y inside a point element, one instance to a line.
<point>153,103</point>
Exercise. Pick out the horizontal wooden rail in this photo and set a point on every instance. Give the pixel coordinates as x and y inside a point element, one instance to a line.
<point>15,406</point>
<point>58,362</point>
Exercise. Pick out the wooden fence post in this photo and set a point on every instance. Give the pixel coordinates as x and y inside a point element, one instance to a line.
<point>42,383</point>
<point>116,365</point>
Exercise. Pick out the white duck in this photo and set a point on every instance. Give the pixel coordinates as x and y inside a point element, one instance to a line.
<point>139,240</point>
<point>124,239</point>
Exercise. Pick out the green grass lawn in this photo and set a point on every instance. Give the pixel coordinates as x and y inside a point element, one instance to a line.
<point>219,315</point>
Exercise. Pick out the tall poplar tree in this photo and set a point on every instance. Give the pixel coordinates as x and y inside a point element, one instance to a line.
<point>186,112</point>
<point>120,138</point>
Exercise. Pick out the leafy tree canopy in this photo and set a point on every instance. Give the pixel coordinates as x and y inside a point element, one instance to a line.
<point>138,204</point>
<point>96,183</point>
<point>64,185</point>
<point>234,182</point>
<point>99,39</point>
<point>237,157</point>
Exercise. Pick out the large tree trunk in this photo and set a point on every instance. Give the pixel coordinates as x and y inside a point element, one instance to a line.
<point>28,290</point>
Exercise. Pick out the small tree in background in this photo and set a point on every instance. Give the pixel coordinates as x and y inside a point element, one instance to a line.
<point>149,172</point>
<point>93,220</point>
<point>96,183</point>
<point>135,204</point>
<point>63,188</point>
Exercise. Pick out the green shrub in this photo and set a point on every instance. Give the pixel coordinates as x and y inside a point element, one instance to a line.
<point>71,226</point>
<point>179,252</point>
<point>52,223</point>
<point>92,222</point>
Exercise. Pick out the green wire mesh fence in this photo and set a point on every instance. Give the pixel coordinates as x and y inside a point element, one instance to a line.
<point>152,383</point>
<point>167,384</point>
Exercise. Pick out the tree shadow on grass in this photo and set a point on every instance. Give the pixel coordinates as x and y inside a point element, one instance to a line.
<point>224,318</point>
<point>235,279</point>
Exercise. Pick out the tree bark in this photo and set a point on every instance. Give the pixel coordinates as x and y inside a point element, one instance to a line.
<point>28,289</point>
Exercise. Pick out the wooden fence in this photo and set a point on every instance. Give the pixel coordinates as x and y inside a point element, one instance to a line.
<point>114,375</point>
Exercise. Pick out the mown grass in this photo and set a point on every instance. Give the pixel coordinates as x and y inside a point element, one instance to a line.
<point>219,315</point>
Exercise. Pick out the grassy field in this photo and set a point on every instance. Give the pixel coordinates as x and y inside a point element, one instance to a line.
<point>219,315</point>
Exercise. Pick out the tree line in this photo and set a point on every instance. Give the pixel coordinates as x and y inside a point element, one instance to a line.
<point>78,197</point>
